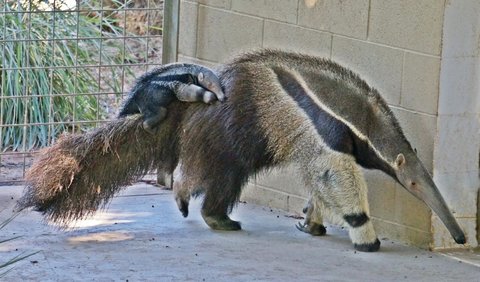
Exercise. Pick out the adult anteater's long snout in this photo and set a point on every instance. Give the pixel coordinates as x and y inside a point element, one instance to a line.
<point>435,201</point>
<point>416,179</point>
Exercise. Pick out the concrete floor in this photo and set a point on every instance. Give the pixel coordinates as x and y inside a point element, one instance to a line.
<point>142,237</point>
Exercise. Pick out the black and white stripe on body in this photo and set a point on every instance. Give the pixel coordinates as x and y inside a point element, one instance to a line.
<point>285,107</point>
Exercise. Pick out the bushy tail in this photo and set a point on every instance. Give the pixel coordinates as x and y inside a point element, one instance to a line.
<point>81,173</point>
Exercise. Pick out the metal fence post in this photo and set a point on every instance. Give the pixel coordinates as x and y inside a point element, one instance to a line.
<point>171,22</point>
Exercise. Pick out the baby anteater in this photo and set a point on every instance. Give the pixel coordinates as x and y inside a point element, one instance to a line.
<point>156,89</point>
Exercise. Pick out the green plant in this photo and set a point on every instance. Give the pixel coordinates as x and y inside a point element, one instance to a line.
<point>41,84</point>
<point>16,258</point>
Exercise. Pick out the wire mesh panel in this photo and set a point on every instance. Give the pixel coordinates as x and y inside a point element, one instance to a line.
<point>64,68</point>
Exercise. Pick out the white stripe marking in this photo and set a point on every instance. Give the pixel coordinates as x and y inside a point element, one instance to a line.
<point>324,107</point>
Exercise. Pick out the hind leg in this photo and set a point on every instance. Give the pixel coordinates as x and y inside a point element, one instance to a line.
<point>218,219</point>
<point>181,191</point>
<point>344,190</point>
<point>165,179</point>
<point>221,195</point>
<point>152,117</point>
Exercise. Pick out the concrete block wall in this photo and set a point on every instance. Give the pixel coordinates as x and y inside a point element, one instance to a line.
<point>397,47</point>
<point>456,152</point>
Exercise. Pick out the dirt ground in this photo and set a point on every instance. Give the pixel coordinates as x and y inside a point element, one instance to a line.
<point>143,237</point>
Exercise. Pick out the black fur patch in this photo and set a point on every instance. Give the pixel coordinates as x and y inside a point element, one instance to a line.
<point>370,247</point>
<point>334,132</point>
<point>185,78</point>
<point>356,219</point>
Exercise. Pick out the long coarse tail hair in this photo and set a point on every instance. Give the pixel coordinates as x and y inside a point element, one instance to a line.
<point>81,173</point>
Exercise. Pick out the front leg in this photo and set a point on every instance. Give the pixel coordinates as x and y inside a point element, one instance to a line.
<point>313,223</point>
<point>184,91</point>
<point>344,189</point>
<point>192,93</point>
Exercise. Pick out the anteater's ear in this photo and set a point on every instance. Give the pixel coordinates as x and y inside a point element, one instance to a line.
<point>400,161</point>
<point>200,77</point>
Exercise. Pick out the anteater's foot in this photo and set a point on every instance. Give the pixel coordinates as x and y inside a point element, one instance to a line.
<point>183,207</point>
<point>368,247</point>
<point>221,222</point>
<point>312,229</point>
<point>151,126</point>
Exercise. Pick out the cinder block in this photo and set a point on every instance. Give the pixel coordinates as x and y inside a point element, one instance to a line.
<point>420,130</point>
<point>187,41</point>
<point>295,38</point>
<point>380,66</point>
<point>347,17</point>
<point>266,197</point>
<point>285,179</point>
<point>420,83</point>
<point>459,86</point>
<point>457,144</point>
<point>410,211</point>
<point>381,194</point>
<point>402,233</point>
<point>225,4</point>
<point>443,240</point>
<point>296,204</point>
<point>260,195</point>
<point>185,59</point>
<point>411,24</point>
<point>461,15</point>
<point>460,191</point>
<point>281,10</point>
<point>216,40</point>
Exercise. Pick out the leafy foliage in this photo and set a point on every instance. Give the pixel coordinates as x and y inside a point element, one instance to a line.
<point>48,68</point>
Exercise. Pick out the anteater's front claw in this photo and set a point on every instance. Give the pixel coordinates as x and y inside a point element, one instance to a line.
<point>313,229</point>
<point>220,96</point>
<point>209,97</point>
<point>302,227</point>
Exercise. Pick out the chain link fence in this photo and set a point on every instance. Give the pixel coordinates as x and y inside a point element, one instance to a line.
<point>65,67</point>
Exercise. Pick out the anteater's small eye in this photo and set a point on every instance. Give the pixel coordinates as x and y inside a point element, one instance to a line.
<point>413,183</point>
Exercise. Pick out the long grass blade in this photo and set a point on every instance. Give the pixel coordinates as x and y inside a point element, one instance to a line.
<point>42,80</point>
<point>14,260</point>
